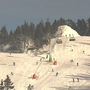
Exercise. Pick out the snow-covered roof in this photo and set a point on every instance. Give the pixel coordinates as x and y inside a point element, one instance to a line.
<point>67,31</point>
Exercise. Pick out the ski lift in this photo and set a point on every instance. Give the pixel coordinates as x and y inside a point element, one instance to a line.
<point>59,41</point>
<point>72,39</point>
<point>35,74</point>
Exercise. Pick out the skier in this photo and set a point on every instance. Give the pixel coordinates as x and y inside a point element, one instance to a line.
<point>78,79</point>
<point>32,87</point>
<point>56,73</point>
<point>40,59</point>
<point>47,57</point>
<point>13,63</point>
<point>52,70</point>
<point>36,63</point>
<point>71,60</point>
<point>77,63</point>
<point>69,88</point>
<point>54,59</point>
<point>72,50</point>
<point>29,87</point>
<point>10,53</point>
<point>11,73</point>
<point>73,79</point>
<point>83,51</point>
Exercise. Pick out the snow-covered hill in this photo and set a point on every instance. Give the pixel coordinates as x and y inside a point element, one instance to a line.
<point>73,64</point>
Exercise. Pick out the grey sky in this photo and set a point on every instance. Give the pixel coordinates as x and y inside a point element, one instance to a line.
<point>15,12</point>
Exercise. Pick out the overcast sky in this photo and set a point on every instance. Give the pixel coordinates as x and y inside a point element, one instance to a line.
<point>15,12</point>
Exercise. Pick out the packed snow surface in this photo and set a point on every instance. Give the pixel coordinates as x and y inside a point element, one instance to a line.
<point>73,62</point>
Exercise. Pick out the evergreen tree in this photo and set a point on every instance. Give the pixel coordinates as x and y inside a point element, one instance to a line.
<point>88,27</point>
<point>11,37</point>
<point>71,24</point>
<point>37,43</point>
<point>84,27</point>
<point>81,27</point>
<point>8,84</point>
<point>39,34</point>
<point>18,39</point>
<point>62,21</point>
<point>18,31</point>
<point>31,31</point>
<point>18,43</point>
<point>39,30</point>
<point>25,28</point>
<point>2,85</point>
<point>54,27</point>
<point>47,27</point>
<point>4,35</point>
<point>1,38</point>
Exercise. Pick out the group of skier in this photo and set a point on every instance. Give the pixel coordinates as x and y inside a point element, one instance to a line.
<point>76,78</point>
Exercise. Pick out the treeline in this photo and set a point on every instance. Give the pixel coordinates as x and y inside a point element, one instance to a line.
<point>39,33</point>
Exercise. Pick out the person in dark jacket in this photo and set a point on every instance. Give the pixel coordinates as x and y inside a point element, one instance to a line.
<point>56,73</point>
<point>52,70</point>
<point>77,63</point>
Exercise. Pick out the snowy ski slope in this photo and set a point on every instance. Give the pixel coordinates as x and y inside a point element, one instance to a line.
<point>47,80</point>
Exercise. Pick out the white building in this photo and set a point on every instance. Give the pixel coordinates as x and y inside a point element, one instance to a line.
<point>66,31</point>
